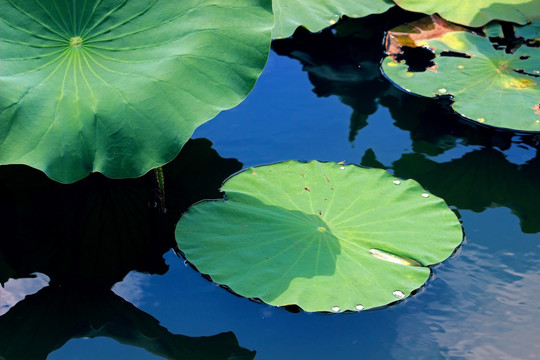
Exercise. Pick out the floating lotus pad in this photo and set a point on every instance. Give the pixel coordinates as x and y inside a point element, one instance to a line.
<point>316,15</point>
<point>323,236</point>
<point>119,86</point>
<point>478,12</point>
<point>489,86</point>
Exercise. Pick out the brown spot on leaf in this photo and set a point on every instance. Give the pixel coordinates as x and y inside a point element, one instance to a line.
<point>522,83</point>
<point>302,174</point>
<point>307,189</point>
<point>327,179</point>
<point>320,212</point>
<point>427,28</point>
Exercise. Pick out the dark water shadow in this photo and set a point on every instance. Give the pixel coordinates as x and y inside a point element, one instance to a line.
<point>100,229</point>
<point>89,235</point>
<point>478,180</point>
<point>45,321</point>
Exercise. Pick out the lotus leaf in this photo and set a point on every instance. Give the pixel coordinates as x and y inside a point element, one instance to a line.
<point>487,85</point>
<point>316,15</point>
<point>478,12</point>
<point>323,236</point>
<point>119,86</point>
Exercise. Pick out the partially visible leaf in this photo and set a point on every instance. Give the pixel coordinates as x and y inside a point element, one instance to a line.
<point>478,12</point>
<point>530,32</point>
<point>316,15</point>
<point>489,86</point>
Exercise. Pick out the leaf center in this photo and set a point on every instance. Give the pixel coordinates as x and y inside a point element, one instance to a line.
<point>75,41</point>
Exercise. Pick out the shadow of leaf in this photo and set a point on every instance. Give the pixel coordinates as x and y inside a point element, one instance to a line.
<point>45,321</point>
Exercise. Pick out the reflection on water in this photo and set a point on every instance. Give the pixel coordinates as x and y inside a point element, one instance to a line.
<point>14,290</point>
<point>491,310</point>
<point>57,314</point>
<point>132,288</point>
<point>86,237</point>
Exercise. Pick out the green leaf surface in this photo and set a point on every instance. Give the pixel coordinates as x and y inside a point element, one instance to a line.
<point>119,86</point>
<point>478,12</point>
<point>316,15</point>
<point>530,32</point>
<point>323,236</point>
<point>489,86</point>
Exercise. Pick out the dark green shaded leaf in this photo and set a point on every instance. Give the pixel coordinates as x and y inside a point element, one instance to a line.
<point>119,86</point>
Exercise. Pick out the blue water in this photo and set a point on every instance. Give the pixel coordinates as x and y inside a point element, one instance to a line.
<point>482,303</point>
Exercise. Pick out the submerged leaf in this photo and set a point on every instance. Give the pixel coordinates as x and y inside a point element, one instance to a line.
<point>489,86</point>
<point>323,236</point>
<point>119,86</point>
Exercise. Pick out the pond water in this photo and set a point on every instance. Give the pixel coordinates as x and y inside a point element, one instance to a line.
<point>320,97</point>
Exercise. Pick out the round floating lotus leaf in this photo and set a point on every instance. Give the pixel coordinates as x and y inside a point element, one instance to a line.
<point>119,86</point>
<point>316,15</point>
<point>323,236</point>
<point>487,85</point>
<point>478,12</point>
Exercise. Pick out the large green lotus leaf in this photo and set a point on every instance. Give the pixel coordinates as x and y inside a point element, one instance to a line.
<point>478,12</point>
<point>316,15</point>
<point>118,86</point>
<point>488,86</point>
<point>323,236</point>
